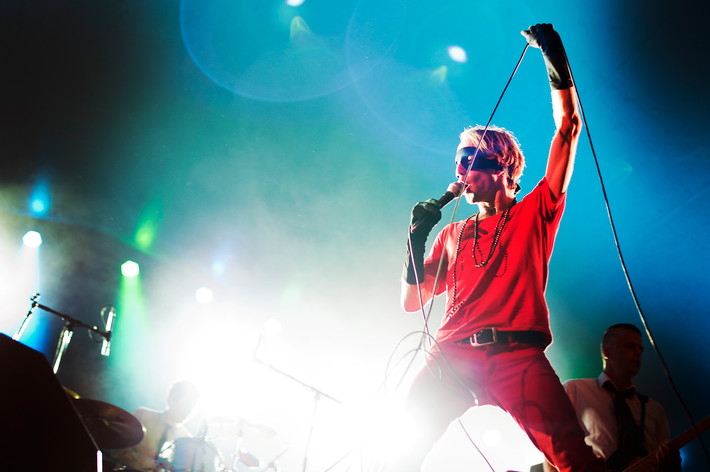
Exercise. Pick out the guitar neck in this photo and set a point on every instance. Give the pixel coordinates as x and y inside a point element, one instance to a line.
<point>691,434</point>
<point>646,463</point>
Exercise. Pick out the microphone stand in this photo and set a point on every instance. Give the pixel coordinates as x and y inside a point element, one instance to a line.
<point>317,396</point>
<point>28,316</point>
<point>66,333</point>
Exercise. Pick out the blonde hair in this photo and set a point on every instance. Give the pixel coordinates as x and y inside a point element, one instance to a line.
<point>501,143</point>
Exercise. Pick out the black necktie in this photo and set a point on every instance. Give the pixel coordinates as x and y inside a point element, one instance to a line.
<point>629,433</point>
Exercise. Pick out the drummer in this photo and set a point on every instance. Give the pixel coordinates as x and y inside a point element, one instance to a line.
<point>160,427</point>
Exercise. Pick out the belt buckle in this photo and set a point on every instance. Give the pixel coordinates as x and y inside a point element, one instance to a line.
<point>484,337</point>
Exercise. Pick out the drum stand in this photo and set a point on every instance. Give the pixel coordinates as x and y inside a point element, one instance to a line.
<point>236,456</point>
<point>66,333</point>
<point>273,465</point>
<point>237,449</point>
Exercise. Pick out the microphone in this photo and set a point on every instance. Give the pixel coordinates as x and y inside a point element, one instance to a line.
<point>454,190</point>
<point>111,317</point>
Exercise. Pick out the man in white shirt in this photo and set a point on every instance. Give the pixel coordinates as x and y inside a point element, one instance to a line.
<point>623,429</point>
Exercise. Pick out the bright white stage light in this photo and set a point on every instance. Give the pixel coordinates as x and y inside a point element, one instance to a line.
<point>294,3</point>
<point>130,269</point>
<point>204,295</point>
<point>32,239</point>
<point>457,54</point>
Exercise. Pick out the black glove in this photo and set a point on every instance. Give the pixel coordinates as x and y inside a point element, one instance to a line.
<point>545,38</point>
<point>425,215</point>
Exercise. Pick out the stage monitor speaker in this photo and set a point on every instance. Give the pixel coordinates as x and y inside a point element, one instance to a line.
<point>41,429</point>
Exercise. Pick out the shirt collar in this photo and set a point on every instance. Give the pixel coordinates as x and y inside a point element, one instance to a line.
<point>605,378</point>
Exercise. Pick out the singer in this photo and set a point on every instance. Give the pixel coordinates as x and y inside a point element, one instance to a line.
<point>489,349</point>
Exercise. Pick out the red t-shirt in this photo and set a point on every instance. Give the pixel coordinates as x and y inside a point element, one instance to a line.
<point>509,293</point>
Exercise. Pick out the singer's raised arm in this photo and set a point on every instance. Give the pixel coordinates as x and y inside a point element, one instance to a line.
<point>564,144</point>
<point>564,106</point>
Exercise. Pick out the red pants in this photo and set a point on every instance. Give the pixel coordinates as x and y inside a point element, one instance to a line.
<point>517,378</point>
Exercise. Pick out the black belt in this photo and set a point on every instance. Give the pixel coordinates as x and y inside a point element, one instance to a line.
<point>490,336</point>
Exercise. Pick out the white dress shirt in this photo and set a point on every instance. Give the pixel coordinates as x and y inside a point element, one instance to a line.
<point>595,410</point>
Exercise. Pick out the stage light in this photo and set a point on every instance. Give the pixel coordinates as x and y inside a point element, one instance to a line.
<point>39,200</point>
<point>38,207</point>
<point>131,338</point>
<point>19,280</point>
<point>295,3</point>
<point>130,269</point>
<point>32,239</point>
<point>148,225</point>
<point>457,54</point>
<point>204,295</point>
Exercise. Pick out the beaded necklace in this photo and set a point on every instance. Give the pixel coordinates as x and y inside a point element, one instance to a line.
<point>502,220</point>
<point>500,225</point>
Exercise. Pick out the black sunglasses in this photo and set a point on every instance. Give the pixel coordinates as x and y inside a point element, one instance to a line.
<point>482,162</point>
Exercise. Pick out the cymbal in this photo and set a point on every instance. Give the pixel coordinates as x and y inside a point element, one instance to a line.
<point>110,426</point>
<point>241,426</point>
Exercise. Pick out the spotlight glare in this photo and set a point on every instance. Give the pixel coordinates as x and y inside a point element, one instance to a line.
<point>457,54</point>
<point>295,3</point>
<point>130,269</point>
<point>299,28</point>
<point>492,437</point>
<point>439,74</point>
<point>32,239</point>
<point>204,295</point>
<point>272,328</point>
<point>218,268</point>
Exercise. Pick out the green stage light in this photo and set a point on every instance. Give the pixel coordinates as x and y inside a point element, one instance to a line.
<point>130,269</point>
<point>131,341</point>
<point>148,225</point>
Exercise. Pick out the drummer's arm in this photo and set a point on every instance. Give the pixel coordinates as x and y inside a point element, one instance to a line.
<point>144,452</point>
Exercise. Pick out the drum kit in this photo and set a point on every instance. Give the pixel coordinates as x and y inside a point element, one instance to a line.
<point>202,453</point>
<point>114,428</point>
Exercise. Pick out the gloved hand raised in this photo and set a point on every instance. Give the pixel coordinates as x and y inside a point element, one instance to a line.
<point>545,38</point>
